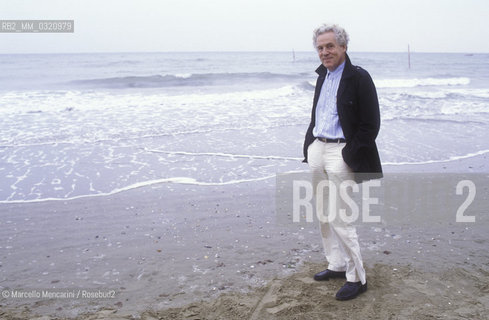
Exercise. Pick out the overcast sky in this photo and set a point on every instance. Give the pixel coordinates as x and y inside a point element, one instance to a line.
<point>249,25</point>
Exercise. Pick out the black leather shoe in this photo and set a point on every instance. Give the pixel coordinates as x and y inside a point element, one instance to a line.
<point>328,274</point>
<point>350,290</point>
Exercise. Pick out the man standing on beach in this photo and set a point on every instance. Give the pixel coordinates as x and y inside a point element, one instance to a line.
<point>340,145</point>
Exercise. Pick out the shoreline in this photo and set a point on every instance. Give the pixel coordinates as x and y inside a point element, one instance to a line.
<point>467,163</point>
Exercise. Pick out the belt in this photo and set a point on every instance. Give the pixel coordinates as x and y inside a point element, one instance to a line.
<point>339,140</point>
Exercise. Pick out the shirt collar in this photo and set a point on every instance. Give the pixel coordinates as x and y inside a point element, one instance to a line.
<point>338,71</point>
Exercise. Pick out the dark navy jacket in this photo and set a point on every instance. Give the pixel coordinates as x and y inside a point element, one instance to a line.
<point>359,116</point>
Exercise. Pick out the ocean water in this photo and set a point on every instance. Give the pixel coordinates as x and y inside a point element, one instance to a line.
<point>83,125</point>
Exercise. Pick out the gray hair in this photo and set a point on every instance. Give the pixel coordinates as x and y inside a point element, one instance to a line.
<point>341,36</point>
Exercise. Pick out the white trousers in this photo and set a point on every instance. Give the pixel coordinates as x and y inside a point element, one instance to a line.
<point>340,239</point>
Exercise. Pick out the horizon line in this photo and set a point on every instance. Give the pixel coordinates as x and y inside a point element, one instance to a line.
<point>237,51</point>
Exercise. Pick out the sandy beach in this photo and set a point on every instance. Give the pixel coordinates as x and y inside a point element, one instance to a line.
<point>176,251</point>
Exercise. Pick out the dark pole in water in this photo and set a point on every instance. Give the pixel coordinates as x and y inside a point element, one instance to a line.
<point>409,57</point>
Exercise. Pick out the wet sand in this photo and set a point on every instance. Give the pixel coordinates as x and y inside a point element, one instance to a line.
<point>175,251</point>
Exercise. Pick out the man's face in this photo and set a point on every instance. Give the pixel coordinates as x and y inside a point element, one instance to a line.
<point>330,52</point>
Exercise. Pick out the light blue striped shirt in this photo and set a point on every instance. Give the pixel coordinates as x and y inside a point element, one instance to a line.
<point>327,122</point>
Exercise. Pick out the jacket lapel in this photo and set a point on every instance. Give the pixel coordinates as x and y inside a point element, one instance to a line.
<point>347,73</point>
<point>321,71</point>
